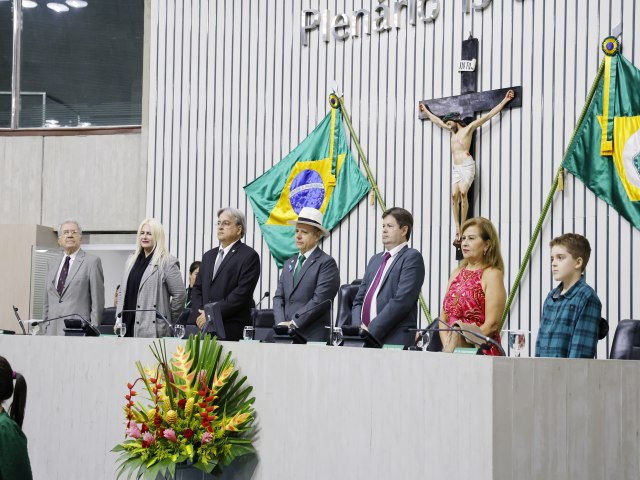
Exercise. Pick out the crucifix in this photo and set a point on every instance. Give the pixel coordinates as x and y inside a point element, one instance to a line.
<point>457,114</point>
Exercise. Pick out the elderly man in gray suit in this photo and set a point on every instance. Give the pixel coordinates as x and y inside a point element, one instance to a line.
<point>308,279</point>
<point>75,283</point>
<point>387,301</point>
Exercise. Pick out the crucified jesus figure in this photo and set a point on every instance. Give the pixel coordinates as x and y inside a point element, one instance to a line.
<point>464,167</point>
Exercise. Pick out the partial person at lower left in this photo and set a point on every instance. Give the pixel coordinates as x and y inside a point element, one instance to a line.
<point>151,283</point>
<point>14,457</point>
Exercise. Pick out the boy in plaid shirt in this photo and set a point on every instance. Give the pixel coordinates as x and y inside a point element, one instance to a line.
<point>571,312</point>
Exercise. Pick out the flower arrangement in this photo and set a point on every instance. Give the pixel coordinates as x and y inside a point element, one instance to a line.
<point>197,411</point>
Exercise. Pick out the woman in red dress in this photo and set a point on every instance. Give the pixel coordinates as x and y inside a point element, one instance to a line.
<point>476,293</point>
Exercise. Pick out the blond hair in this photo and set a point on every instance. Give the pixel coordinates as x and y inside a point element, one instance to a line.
<point>160,252</point>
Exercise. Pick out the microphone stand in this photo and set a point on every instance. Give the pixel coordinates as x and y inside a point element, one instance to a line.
<point>255,314</point>
<point>485,339</point>
<point>158,315</point>
<point>87,327</point>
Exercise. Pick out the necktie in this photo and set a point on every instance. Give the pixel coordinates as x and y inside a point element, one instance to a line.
<point>366,306</point>
<point>218,262</point>
<point>296,272</point>
<point>63,275</point>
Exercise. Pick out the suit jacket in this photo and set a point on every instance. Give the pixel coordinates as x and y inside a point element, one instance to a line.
<point>319,280</point>
<point>232,287</point>
<point>160,289</point>
<point>397,307</point>
<point>83,292</point>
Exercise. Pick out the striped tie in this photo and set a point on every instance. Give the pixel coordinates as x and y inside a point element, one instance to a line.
<point>63,275</point>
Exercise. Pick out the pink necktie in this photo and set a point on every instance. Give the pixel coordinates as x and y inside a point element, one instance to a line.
<point>366,306</point>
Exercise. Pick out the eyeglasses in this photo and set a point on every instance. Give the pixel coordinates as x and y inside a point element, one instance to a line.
<point>226,224</point>
<point>65,233</point>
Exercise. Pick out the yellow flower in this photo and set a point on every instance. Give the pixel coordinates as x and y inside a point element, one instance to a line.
<point>188,407</point>
<point>167,403</point>
<point>151,414</point>
<point>171,417</point>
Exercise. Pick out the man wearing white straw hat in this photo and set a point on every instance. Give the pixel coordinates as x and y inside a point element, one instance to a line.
<point>308,279</point>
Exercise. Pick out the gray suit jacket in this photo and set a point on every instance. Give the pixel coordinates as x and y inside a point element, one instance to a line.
<point>160,289</point>
<point>397,307</point>
<point>319,280</point>
<point>83,292</point>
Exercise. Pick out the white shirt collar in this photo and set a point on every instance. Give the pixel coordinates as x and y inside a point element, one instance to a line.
<point>227,249</point>
<point>397,248</point>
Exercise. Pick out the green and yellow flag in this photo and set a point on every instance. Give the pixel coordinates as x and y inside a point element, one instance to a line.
<point>318,173</point>
<point>605,151</point>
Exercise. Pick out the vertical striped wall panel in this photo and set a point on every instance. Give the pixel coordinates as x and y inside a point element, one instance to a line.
<point>233,91</point>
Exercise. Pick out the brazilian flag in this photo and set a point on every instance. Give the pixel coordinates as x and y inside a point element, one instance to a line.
<point>318,173</point>
<point>605,151</point>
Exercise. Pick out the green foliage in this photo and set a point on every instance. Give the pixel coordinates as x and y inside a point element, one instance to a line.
<point>197,409</point>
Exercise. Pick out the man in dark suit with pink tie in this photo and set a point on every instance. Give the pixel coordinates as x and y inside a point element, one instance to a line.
<point>228,275</point>
<point>387,301</point>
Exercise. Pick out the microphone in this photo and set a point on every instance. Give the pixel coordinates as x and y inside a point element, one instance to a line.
<point>158,315</point>
<point>266,295</point>
<point>15,310</point>
<point>315,308</point>
<point>254,313</point>
<point>87,327</point>
<point>485,340</point>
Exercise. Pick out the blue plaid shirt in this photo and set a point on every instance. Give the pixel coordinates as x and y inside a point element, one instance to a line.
<point>569,324</point>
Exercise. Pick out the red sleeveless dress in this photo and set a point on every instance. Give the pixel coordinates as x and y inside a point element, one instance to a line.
<point>464,302</point>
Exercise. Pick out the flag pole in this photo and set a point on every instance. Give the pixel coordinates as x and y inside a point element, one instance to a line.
<point>547,204</point>
<point>333,98</point>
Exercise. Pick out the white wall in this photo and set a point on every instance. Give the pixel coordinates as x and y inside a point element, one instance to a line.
<point>98,179</point>
<point>232,91</point>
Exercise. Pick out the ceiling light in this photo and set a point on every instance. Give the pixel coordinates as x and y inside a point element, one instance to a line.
<point>58,7</point>
<point>29,4</point>
<point>76,3</point>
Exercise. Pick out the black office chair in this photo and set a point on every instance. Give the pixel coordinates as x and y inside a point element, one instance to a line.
<point>626,341</point>
<point>264,322</point>
<point>346,295</point>
<point>108,321</point>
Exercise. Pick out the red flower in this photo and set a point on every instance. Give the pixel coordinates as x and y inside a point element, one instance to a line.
<point>209,409</point>
<point>152,380</point>
<point>129,386</point>
<point>182,402</point>
<point>128,397</point>
<point>145,428</point>
<point>188,433</point>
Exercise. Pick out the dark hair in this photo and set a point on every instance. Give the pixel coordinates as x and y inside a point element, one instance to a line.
<point>194,266</point>
<point>7,389</point>
<point>402,216</point>
<point>577,246</point>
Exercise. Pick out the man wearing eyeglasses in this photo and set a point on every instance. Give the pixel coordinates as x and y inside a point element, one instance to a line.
<point>75,282</point>
<point>228,275</point>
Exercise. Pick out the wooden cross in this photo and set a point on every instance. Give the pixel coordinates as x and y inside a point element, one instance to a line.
<point>470,102</point>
